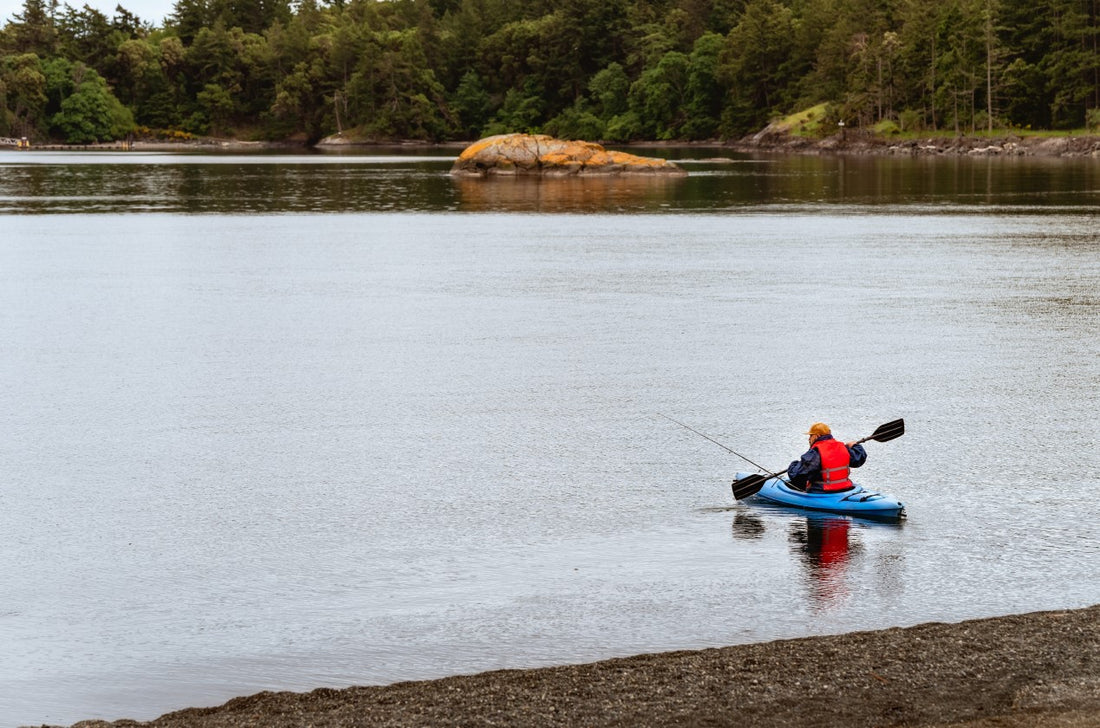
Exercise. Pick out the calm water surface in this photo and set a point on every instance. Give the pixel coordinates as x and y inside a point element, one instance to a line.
<point>284,422</point>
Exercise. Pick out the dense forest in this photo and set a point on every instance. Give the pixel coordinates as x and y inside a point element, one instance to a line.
<point>613,70</point>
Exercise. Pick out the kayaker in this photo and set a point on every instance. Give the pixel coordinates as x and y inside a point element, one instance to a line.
<point>825,467</point>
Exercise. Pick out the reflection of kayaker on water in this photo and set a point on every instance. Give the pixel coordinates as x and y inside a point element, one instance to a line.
<point>747,526</point>
<point>824,468</point>
<point>825,549</point>
<point>827,541</point>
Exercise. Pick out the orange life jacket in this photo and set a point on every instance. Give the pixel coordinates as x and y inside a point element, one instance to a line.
<point>834,465</point>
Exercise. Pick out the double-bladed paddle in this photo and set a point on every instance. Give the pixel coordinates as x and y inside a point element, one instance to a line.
<point>751,485</point>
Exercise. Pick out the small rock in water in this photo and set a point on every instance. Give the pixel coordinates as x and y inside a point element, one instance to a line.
<point>539,154</point>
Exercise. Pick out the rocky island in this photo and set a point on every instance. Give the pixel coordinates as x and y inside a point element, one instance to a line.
<point>539,154</point>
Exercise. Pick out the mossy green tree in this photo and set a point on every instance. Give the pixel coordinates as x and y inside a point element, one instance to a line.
<point>704,94</point>
<point>23,96</point>
<point>471,105</point>
<point>89,112</point>
<point>657,97</point>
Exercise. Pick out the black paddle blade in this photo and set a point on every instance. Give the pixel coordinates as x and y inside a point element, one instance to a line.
<point>889,431</point>
<point>747,486</point>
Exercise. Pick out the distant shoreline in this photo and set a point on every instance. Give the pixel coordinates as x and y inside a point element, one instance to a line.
<point>1038,670</point>
<point>852,143</point>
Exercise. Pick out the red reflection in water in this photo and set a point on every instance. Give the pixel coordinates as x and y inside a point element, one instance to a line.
<point>824,544</point>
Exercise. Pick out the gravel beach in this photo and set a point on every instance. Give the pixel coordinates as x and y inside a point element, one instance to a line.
<point>1040,669</point>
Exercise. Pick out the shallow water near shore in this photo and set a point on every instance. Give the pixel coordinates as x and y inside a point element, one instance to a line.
<point>281,422</point>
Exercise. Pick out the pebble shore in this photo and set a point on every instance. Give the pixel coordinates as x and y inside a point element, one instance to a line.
<point>1039,670</point>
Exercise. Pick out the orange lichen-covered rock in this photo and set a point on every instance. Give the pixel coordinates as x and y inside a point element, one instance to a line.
<point>511,154</point>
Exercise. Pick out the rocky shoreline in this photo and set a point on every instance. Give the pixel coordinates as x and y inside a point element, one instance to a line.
<point>852,142</point>
<point>861,143</point>
<point>1038,670</point>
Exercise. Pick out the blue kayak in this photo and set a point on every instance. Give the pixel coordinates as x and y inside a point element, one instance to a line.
<point>856,501</point>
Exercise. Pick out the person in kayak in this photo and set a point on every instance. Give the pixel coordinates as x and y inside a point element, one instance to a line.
<point>825,467</point>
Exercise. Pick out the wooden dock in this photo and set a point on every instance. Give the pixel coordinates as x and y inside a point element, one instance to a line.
<point>24,143</point>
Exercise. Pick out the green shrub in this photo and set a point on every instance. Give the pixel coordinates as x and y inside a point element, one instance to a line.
<point>910,120</point>
<point>1092,119</point>
<point>887,127</point>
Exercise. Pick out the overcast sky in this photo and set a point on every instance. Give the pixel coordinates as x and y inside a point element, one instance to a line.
<point>152,10</point>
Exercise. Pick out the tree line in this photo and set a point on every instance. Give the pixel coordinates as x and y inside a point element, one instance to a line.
<point>612,70</point>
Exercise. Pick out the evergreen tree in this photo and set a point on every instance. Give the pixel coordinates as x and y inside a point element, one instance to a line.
<point>752,60</point>
<point>34,29</point>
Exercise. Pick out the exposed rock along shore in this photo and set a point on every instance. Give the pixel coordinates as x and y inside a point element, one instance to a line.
<point>1039,670</point>
<point>539,154</point>
<point>593,159</point>
<point>855,142</point>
